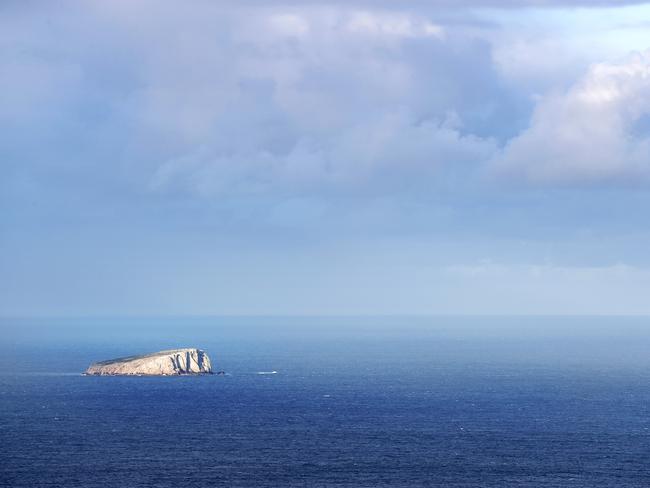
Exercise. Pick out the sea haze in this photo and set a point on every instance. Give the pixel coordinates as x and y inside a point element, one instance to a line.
<point>385,401</point>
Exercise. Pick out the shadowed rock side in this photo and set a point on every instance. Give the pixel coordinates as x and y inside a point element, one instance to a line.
<point>163,363</point>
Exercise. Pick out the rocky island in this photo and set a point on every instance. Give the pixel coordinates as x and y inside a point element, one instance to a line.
<point>188,361</point>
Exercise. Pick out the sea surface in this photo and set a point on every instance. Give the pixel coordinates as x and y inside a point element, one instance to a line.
<point>354,402</point>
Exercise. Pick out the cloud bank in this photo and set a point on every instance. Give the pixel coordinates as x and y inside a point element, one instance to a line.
<point>302,98</point>
<point>234,156</point>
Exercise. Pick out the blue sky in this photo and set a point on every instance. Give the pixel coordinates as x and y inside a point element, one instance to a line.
<point>475,157</point>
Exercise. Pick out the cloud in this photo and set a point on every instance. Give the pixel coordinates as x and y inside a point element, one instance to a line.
<point>280,97</point>
<point>382,153</point>
<point>306,99</point>
<point>598,131</point>
<point>290,98</point>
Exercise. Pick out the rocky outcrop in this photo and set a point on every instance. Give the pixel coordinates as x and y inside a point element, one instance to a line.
<point>163,363</point>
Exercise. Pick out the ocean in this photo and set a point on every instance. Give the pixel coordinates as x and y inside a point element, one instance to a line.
<point>354,402</point>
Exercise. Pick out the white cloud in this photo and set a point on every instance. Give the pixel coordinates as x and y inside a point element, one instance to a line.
<point>594,132</point>
<point>391,24</point>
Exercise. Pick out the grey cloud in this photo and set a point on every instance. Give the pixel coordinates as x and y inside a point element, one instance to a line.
<point>300,100</point>
<point>220,99</point>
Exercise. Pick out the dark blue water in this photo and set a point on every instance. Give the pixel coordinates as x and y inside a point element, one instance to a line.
<point>356,402</point>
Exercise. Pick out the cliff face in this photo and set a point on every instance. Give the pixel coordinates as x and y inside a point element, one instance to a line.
<point>163,363</point>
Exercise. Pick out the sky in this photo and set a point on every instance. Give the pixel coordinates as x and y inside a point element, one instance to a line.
<point>324,158</point>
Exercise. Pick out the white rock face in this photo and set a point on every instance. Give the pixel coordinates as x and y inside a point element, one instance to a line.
<point>163,363</point>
